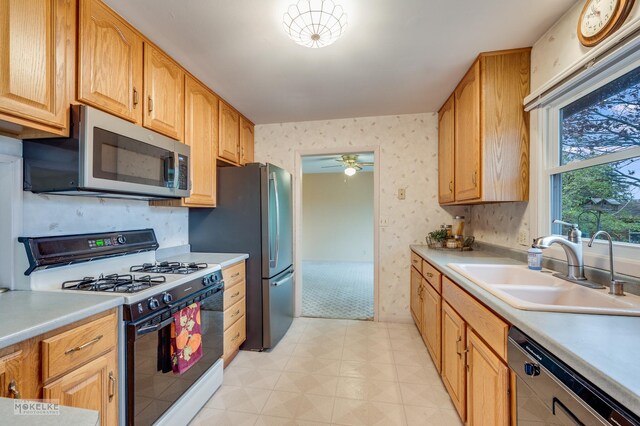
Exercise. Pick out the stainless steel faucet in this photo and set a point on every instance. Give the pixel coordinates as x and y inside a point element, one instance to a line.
<point>616,287</point>
<point>572,246</point>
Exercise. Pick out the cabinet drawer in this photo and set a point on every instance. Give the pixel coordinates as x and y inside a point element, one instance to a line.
<point>486,324</point>
<point>233,295</point>
<point>233,275</point>
<point>77,346</point>
<point>433,276</point>
<point>233,313</point>
<point>234,336</point>
<point>416,261</point>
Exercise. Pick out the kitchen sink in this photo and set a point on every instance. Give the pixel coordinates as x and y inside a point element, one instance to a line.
<point>527,289</point>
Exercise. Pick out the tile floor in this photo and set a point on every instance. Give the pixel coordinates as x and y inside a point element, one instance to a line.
<point>340,372</point>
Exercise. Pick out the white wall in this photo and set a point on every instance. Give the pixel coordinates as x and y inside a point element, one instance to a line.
<point>337,217</point>
<point>408,159</point>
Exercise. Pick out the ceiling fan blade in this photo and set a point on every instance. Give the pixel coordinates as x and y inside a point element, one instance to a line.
<point>328,167</point>
<point>365,164</point>
<point>357,167</point>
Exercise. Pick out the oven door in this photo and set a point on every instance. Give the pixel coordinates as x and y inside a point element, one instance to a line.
<point>150,392</point>
<point>119,156</point>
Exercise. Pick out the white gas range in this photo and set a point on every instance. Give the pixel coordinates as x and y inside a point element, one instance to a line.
<point>124,264</point>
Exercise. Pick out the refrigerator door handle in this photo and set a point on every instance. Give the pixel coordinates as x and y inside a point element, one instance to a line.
<point>282,281</point>
<point>274,178</point>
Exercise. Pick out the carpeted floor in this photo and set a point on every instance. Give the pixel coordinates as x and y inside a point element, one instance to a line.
<point>337,290</point>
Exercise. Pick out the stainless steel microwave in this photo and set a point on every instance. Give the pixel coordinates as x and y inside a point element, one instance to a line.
<point>107,156</point>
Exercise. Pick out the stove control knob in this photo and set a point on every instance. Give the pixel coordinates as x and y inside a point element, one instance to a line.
<point>206,280</point>
<point>153,303</point>
<point>167,297</point>
<point>121,239</point>
<point>531,369</point>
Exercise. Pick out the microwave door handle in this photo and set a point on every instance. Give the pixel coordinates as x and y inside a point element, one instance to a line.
<point>277,202</point>
<point>176,172</point>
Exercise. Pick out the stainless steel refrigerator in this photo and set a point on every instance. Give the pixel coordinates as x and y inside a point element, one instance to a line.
<point>254,215</point>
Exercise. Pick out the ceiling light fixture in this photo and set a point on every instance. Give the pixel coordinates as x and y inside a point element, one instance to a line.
<point>315,23</point>
<point>350,171</point>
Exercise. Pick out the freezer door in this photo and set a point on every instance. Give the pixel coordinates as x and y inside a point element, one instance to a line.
<point>277,221</point>
<point>277,307</point>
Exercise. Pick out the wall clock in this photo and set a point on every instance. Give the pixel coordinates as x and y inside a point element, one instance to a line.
<point>601,18</point>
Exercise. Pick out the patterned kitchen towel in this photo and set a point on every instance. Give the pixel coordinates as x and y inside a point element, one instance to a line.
<point>186,340</point>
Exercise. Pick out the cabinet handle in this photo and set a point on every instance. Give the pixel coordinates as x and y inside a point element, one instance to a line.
<point>112,386</point>
<point>82,346</point>
<point>450,186</point>
<point>150,104</point>
<point>237,274</point>
<point>13,390</point>
<point>236,294</point>
<point>429,275</point>
<point>236,338</point>
<point>135,97</point>
<point>236,313</point>
<point>459,350</point>
<point>474,178</point>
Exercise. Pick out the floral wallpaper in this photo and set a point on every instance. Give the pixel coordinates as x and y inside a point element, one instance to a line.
<point>559,48</point>
<point>408,159</point>
<point>46,214</point>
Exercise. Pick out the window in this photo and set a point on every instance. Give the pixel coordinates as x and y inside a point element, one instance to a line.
<point>595,173</point>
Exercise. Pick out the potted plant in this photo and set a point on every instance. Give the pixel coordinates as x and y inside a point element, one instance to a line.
<point>437,238</point>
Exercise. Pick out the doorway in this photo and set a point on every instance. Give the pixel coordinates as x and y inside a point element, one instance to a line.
<point>337,238</point>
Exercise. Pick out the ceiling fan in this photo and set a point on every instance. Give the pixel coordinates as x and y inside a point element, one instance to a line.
<point>350,164</point>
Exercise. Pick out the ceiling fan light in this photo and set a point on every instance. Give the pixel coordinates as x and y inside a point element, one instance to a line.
<point>350,171</point>
<point>314,23</point>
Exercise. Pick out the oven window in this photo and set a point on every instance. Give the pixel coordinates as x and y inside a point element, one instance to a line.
<point>119,158</point>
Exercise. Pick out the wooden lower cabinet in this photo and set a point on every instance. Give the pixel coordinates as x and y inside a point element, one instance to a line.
<point>92,386</point>
<point>235,324</point>
<point>487,385</point>
<point>453,358</point>
<point>431,321</point>
<point>416,298</point>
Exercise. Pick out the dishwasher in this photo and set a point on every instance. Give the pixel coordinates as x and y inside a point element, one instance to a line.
<point>548,392</point>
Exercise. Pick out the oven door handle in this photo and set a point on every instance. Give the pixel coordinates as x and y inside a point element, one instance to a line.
<point>151,328</point>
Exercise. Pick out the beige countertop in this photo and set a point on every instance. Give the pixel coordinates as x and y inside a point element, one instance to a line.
<point>26,314</point>
<point>602,348</point>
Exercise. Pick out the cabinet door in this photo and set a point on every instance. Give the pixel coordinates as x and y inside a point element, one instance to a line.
<point>92,386</point>
<point>446,132</point>
<point>201,134</point>
<point>467,136</point>
<point>487,385</point>
<point>163,94</point>
<point>415,300</point>
<point>431,320</point>
<point>37,61</point>
<point>246,141</point>
<point>109,62</point>
<point>453,357</point>
<point>12,369</point>
<point>229,133</point>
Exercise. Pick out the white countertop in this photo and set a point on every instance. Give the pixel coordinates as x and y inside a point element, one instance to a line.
<point>67,416</point>
<point>603,348</point>
<point>26,314</point>
<point>222,259</point>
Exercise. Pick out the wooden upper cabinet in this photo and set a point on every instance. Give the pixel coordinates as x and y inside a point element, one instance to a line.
<point>37,59</point>
<point>246,141</point>
<point>109,62</point>
<point>92,386</point>
<point>491,132</point>
<point>467,136</point>
<point>487,385</point>
<point>201,134</point>
<point>446,131</point>
<point>163,94</point>
<point>229,142</point>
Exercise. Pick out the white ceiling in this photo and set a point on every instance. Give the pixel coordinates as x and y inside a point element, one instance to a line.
<point>322,163</point>
<point>396,57</point>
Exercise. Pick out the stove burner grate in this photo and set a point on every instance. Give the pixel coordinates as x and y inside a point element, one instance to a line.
<point>169,267</point>
<point>116,283</point>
